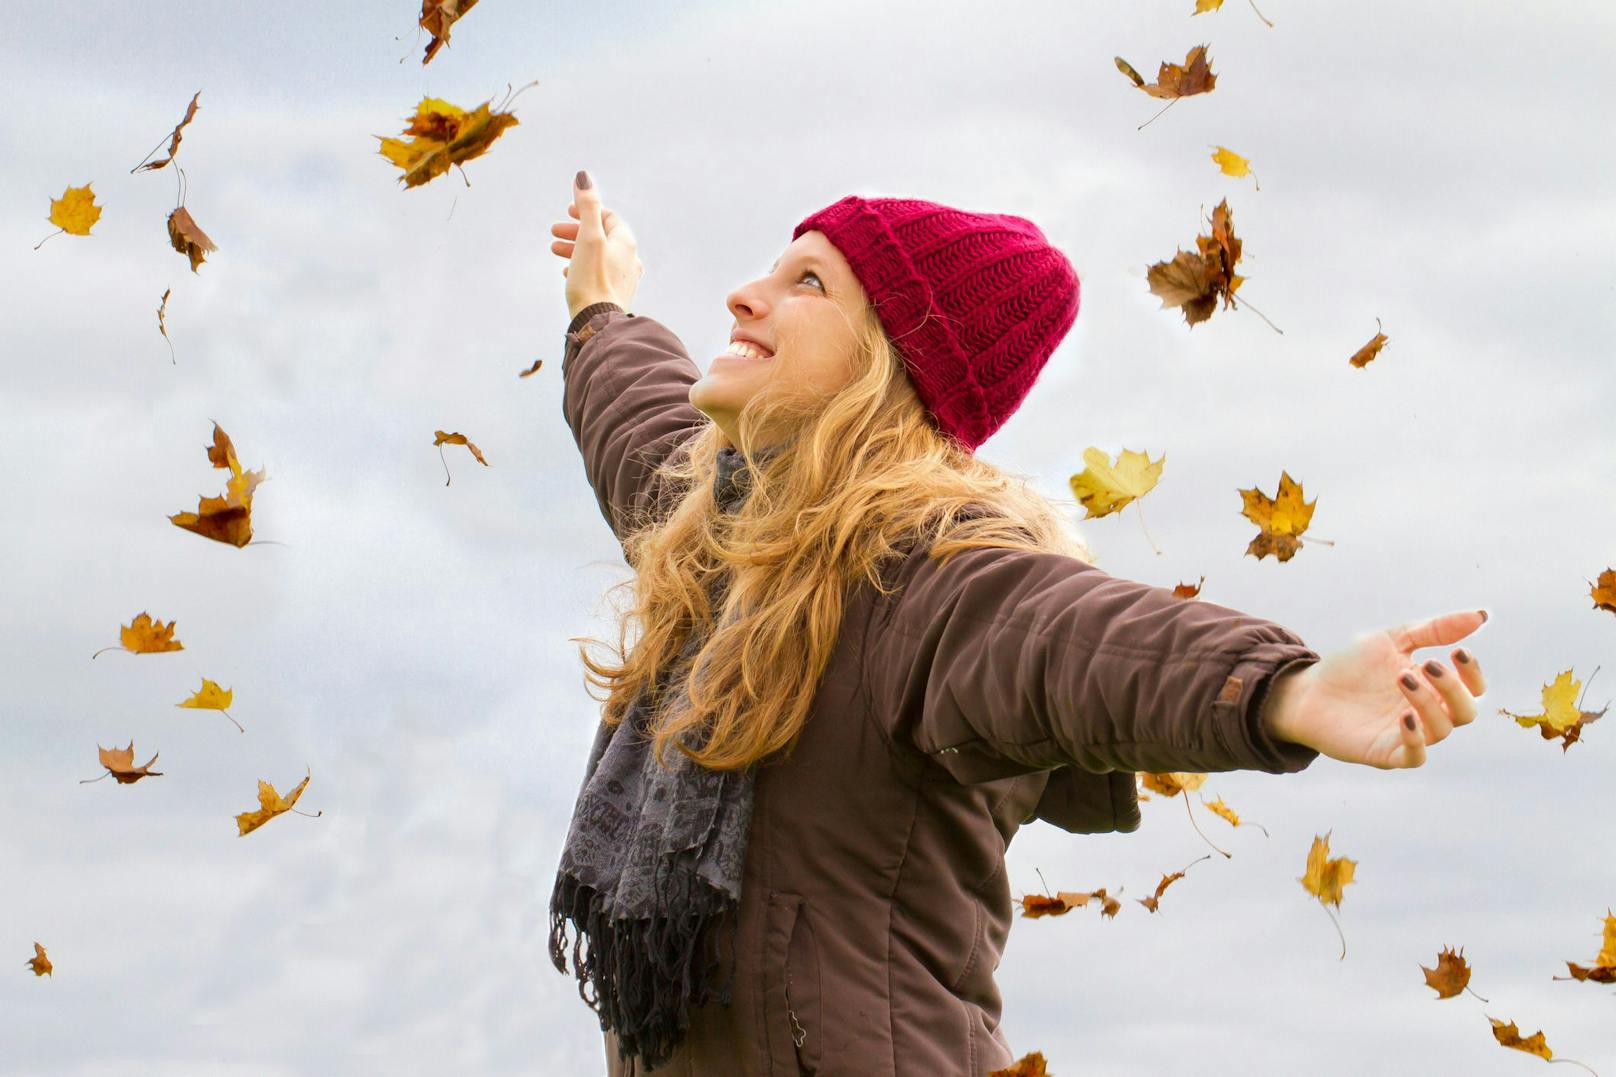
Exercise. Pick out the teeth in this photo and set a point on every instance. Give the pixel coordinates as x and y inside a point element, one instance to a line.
<point>744,350</point>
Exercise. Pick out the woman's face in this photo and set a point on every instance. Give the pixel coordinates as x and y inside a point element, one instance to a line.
<point>803,312</point>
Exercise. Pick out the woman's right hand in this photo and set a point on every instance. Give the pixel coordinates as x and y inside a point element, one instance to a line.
<point>600,246</point>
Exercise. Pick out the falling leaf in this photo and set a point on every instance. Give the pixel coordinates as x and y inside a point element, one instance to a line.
<point>1218,807</point>
<point>1603,969</point>
<point>211,697</point>
<point>271,804</point>
<point>1203,6</point>
<point>1451,974</point>
<point>437,16</point>
<point>121,763</point>
<point>1232,164</point>
<point>75,212</point>
<point>1103,487</point>
<point>1188,590</point>
<point>1036,905</point>
<point>532,369</point>
<point>1562,715</point>
<point>174,139</point>
<point>1363,355</point>
<point>1172,783</point>
<point>1282,518</point>
<point>1153,901</point>
<point>440,135</point>
<point>163,329</point>
<point>142,635</point>
<point>1030,1064</point>
<point>1604,592</point>
<point>39,962</point>
<point>225,519</point>
<point>1173,81</point>
<point>1195,280</point>
<point>455,439</point>
<point>1509,1036</point>
<point>187,238</point>
<point>1326,877</point>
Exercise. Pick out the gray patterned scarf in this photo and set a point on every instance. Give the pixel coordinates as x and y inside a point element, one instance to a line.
<point>653,854</point>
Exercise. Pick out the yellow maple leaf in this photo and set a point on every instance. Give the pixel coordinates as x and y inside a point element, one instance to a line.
<point>442,134</point>
<point>142,635</point>
<point>1232,164</point>
<point>1325,877</point>
<point>1218,807</point>
<point>1603,970</point>
<point>1508,1035</point>
<point>1282,518</point>
<point>1364,355</point>
<point>75,212</point>
<point>1171,783</point>
<point>1562,715</point>
<point>211,697</point>
<point>270,804</point>
<point>1103,487</point>
<point>229,518</point>
<point>1603,592</point>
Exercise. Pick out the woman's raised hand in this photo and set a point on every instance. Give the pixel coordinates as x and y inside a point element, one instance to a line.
<point>600,246</point>
<point>1371,703</point>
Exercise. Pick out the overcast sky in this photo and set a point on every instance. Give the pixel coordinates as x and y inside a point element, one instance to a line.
<point>1438,166</point>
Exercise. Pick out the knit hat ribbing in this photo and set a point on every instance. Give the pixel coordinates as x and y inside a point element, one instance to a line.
<point>975,302</point>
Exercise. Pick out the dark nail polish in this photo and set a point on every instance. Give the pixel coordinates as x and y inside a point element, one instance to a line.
<point>1483,616</point>
<point>1408,722</point>
<point>582,180</point>
<point>1410,681</point>
<point>1434,668</point>
<point>1462,655</point>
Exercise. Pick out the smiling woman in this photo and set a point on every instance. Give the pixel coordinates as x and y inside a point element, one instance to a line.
<point>864,657</point>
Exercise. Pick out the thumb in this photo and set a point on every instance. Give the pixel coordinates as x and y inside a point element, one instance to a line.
<point>587,198</point>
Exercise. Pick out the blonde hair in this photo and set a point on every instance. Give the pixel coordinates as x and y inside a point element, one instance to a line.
<point>864,477</point>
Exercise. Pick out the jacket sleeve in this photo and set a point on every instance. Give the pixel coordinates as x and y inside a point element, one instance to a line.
<point>626,395</point>
<point>1006,661</point>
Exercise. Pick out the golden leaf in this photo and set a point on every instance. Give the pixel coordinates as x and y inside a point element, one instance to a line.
<point>1282,518</point>
<point>1231,163</point>
<point>1188,590</point>
<point>1562,717</point>
<point>1194,77</point>
<point>121,762</point>
<point>39,962</point>
<point>1603,970</point>
<point>1218,807</point>
<point>1325,877</point>
<point>1450,975</point>
<point>1509,1036</point>
<point>1363,355</point>
<point>75,212</point>
<point>1030,1064</point>
<point>209,697</point>
<point>1604,591</point>
<point>1103,487</point>
<point>270,804</point>
<point>442,134</point>
<point>1172,783</point>
<point>440,438</point>
<point>224,519</point>
<point>437,16</point>
<point>142,635</point>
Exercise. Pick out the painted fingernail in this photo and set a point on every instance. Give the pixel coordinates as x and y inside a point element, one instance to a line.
<point>582,180</point>
<point>1462,655</point>
<point>1408,723</point>
<point>1434,668</point>
<point>1411,682</point>
<point>1483,616</point>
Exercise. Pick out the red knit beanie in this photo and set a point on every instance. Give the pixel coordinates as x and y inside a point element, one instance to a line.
<point>1000,299</point>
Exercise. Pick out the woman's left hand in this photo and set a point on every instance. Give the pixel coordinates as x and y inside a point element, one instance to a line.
<point>1356,704</point>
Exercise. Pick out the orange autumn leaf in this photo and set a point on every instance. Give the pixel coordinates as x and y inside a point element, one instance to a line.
<point>120,763</point>
<point>1172,80</point>
<point>142,635</point>
<point>1030,1064</point>
<point>1171,783</point>
<point>1363,355</point>
<point>1219,808</point>
<point>270,804</point>
<point>536,364</point>
<point>75,212</point>
<point>1604,591</point>
<point>1326,876</point>
<point>440,439</point>
<point>1203,6</point>
<point>1064,901</point>
<point>163,329</point>
<point>437,16</point>
<point>1562,716</point>
<point>1194,281</point>
<point>39,962</point>
<point>1451,975</point>
<point>1603,969</point>
<point>1283,518</point>
<point>211,697</point>
<point>1188,590</point>
<point>188,238</point>
<point>173,139</point>
<point>1508,1035</point>
<point>225,519</point>
<point>441,134</point>
<point>1103,487</point>
<point>1153,901</point>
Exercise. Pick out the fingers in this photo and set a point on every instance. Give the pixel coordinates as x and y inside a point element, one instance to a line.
<point>1439,631</point>
<point>1410,750</point>
<point>1428,705</point>
<point>586,199</point>
<point>1469,671</point>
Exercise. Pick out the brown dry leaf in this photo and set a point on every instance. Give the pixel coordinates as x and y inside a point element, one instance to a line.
<point>211,697</point>
<point>270,804</point>
<point>1153,902</point>
<point>437,16</point>
<point>1231,163</point>
<point>75,212</point>
<point>1195,280</point>
<point>1172,783</point>
<point>1064,901</point>
<point>1363,355</point>
<point>440,439</point>
<point>1282,518</point>
<point>1562,715</point>
<point>1030,1064</point>
<point>173,140</point>
<point>163,329</point>
<point>1188,590</point>
<point>1172,80</point>
<point>1202,6</point>
<point>1451,974</point>
<point>1604,591</point>
<point>440,135</point>
<point>1509,1036</point>
<point>39,962</point>
<point>1103,487</point>
<point>121,762</point>
<point>1603,969</point>
<point>229,518</point>
<point>142,635</point>
<point>532,369</point>
<point>188,238</point>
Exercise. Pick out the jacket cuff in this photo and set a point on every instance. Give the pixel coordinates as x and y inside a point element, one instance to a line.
<point>587,313</point>
<point>1237,711</point>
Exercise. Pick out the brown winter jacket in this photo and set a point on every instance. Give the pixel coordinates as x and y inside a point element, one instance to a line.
<point>1001,687</point>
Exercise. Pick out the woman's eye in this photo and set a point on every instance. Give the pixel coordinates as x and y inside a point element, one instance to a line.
<point>810,273</point>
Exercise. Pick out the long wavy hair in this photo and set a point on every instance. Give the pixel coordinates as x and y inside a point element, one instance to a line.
<point>862,479</point>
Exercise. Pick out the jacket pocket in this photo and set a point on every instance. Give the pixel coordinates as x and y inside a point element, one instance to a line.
<point>791,995</point>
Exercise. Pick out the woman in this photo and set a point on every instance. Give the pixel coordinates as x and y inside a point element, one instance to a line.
<point>864,657</point>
